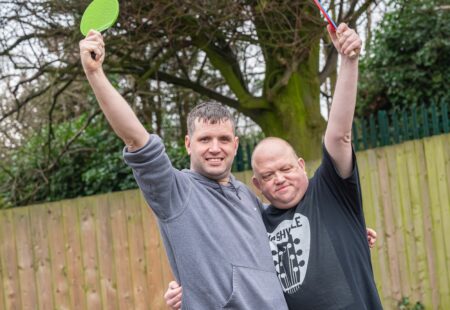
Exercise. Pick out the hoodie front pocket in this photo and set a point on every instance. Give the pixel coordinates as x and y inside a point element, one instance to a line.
<point>254,289</point>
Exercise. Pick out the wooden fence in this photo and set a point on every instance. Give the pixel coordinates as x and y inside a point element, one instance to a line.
<point>104,252</point>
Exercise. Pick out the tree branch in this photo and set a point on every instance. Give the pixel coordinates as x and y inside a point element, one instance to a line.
<point>225,61</point>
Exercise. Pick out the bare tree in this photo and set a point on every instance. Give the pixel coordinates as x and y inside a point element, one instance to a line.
<point>258,57</point>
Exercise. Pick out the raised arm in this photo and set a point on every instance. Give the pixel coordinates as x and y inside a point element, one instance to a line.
<point>339,128</point>
<point>119,114</point>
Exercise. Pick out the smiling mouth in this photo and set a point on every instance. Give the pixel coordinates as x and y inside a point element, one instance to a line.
<point>214,160</point>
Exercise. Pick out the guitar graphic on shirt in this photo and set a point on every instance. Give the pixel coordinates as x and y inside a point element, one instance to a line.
<point>290,246</point>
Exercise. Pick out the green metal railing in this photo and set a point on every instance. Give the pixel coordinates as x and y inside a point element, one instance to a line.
<point>387,128</point>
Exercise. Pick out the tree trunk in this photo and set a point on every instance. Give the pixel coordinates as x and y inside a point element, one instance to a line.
<point>295,111</point>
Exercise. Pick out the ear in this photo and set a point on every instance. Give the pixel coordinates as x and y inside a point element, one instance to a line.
<point>256,183</point>
<point>236,144</point>
<point>187,144</point>
<point>301,163</point>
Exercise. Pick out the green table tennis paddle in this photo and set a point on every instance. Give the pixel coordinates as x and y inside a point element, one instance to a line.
<point>99,15</point>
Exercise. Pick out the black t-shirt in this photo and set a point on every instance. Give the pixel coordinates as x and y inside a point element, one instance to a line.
<point>320,247</point>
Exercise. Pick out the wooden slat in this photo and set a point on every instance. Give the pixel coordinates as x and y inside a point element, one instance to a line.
<point>137,251</point>
<point>86,209</point>
<point>25,258</point>
<point>406,226</point>
<point>106,262</point>
<point>58,256</point>
<point>446,144</point>
<point>423,277</point>
<point>438,229</point>
<point>380,227</point>
<point>8,262</point>
<point>394,159</point>
<point>121,251</point>
<point>39,237</point>
<point>444,200</point>
<point>153,249</point>
<point>75,273</point>
<point>370,215</point>
<point>389,225</point>
<point>2,253</point>
<point>427,222</point>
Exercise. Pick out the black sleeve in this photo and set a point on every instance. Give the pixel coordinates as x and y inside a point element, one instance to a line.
<point>347,190</point>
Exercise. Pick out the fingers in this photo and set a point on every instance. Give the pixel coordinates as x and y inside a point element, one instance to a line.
<point>371,237</point>
<point>372,233</point>
<point>173,295</point>
<point>346,40</point>
<point>95,36</point>
<point>92,45</point>
<point>174,285</point>
<point>351,42</point>
<point>177,306</point>
<point>343,27</point>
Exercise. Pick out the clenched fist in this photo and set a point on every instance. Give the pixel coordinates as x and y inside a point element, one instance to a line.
<point>346,41</point>
<point>92,52</point>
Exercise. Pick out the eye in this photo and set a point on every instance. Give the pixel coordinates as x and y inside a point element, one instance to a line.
<point>267,177</point>
<point>286,169</point>
<point>225,139</point>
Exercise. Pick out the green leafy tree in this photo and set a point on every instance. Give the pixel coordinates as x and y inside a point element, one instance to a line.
<point>75,165</point>
<point>409,58</point>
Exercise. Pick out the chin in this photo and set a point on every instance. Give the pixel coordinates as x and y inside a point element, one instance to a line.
<point>216,174</point>
<point>286,204</point>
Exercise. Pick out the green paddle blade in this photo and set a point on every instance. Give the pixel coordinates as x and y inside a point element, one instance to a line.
<point>99,15</point>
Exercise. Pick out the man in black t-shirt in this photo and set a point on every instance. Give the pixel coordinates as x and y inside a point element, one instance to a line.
<point>319,244</point>
<point>316,227</point>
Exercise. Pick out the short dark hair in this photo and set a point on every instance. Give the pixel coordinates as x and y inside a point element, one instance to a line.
<point>209,112</point>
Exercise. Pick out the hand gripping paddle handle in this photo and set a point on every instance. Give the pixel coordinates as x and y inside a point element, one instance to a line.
<point>354,53</point>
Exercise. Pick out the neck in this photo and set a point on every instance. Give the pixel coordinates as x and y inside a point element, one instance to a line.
<point>223,181</point>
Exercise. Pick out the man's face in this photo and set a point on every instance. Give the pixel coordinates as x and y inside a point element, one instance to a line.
<point>280,176</point>
<point>212,148</point>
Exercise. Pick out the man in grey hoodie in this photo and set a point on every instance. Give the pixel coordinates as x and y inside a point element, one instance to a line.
<point>211,223</point>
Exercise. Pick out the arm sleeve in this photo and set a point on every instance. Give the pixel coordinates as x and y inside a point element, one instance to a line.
<point>348,190</point>
<point>165,189</point>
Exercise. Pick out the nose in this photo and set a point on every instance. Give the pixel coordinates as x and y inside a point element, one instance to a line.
<point>279,178</point>
<point>214,146</point>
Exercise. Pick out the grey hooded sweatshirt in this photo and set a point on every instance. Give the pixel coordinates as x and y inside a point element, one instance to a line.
<point>214,236</point>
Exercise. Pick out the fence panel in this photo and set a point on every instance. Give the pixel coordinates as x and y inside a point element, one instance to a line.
<point>105,251</point>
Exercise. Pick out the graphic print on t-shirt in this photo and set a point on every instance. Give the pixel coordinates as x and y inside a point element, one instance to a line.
<point>290,245</point>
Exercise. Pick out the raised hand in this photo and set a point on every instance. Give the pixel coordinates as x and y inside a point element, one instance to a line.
<point>345,40</point>
<point>92,52</point>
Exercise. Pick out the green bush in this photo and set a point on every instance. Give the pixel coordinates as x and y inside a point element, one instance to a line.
<point>409,58</point>
<point>93,164</point>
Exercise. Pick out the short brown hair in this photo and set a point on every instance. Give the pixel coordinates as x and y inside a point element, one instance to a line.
<point>209,112</point>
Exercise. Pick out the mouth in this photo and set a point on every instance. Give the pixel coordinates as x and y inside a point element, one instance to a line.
<point>214,160</point>
<point>282,188</point>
